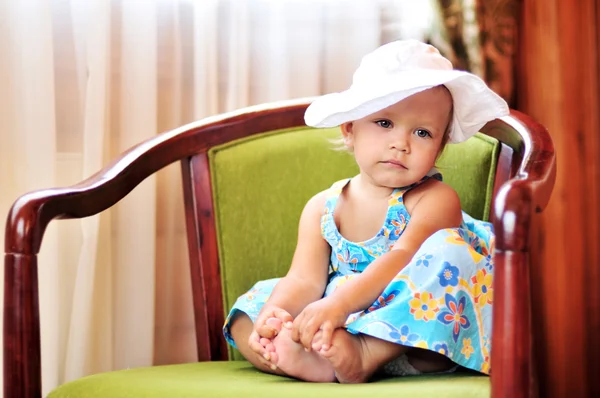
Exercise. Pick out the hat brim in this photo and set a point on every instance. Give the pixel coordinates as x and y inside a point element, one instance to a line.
<point>474,103</point>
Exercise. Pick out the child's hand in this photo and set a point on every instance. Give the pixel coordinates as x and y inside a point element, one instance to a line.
<point>268,324</point>
<point>268,329</point>
<point>263,355</point>
<point>325,315</point>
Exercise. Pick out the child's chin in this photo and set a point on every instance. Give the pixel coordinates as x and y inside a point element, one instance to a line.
<point>394,182</point>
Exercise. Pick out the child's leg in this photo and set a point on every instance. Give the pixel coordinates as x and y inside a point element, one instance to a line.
<point>355,358</point>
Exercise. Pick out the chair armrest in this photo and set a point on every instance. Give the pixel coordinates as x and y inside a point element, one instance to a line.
<point>516,202</point>
<point>529,191</point>
<point>30,214</point>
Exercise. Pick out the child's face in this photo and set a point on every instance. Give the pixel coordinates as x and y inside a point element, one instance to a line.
<point>398,145</point>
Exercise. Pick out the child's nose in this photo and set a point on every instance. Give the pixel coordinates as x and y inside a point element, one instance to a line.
<point>400,142</point>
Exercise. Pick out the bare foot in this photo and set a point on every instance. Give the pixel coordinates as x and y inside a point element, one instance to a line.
<point>291,358</point>
<point>355,358</point>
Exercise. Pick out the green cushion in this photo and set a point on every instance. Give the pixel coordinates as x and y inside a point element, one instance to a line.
<point>470,168</point>
<point>239,379</point>
<point>261,183</point>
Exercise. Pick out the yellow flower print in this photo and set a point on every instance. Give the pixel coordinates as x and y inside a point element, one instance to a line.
<point>485,367</point>
<point>483,288</point>
<point>422,344</point>
<point>485,251</point>
<point>462,237</point>
<point>376,251</point>
<point>424,306</point>
<point>477,257</point>
<point>456,238</point>
<point>251,294</point>
<point>467,349</point>
<point>395,198</point>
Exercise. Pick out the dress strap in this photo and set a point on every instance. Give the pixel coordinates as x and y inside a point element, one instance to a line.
<point>333,195</point>
<point>328,227</point>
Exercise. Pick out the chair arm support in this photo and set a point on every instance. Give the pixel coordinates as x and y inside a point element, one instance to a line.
<point>529,191</point>
<point>31,213</point>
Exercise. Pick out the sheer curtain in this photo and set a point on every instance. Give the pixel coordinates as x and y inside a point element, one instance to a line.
<point>81,81</point>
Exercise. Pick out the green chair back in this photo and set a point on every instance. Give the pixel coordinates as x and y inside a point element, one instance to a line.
<point>261,184</point>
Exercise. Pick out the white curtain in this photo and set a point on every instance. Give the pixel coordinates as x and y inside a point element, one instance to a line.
<point>83,80</point>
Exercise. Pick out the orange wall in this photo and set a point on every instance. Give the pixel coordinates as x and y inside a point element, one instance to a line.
<point>558,84</point>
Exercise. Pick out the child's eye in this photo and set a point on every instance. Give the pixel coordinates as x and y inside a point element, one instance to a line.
<point>386,124</point>
<point>422,133</point>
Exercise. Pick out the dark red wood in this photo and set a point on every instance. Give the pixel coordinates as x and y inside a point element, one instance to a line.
<point>209,249</point>
<point>194,238</point>
<point>531,171</point>
<point>526,193</point>
<point>206,274</point>
<point>31,213</point>
<point>503,170</point>
<point>512,348</point>
<point>533,165</point>
<point>22,361</point>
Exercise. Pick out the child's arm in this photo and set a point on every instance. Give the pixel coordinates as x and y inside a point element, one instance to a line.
<point>437,209</point>
<point>306,279</point>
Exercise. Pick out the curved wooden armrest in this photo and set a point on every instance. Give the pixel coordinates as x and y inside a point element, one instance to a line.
<point>529,190</point>
<point>514,372</point>
<point>30,214</point>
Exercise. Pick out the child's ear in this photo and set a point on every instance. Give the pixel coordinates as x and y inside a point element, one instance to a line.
<point>348,134</point>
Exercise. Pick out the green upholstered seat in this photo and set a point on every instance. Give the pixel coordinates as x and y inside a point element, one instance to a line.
<point>239,379</point>
<point>260,185</point>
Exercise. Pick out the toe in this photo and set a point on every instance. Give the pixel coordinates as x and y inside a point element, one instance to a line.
<point>328,352</point>
<point>270,347</point>
<point>316,341</point>
<point>275,323</point>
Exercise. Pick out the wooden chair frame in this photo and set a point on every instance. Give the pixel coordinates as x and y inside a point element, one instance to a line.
<point>524,180</point>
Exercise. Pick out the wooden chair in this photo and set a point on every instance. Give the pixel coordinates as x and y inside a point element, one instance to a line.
<point>507,173</point>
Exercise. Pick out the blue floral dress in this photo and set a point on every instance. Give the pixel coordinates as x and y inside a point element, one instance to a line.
<point>441,301</point>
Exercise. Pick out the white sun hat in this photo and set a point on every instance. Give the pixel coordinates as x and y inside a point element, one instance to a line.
<point>398,70</point>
